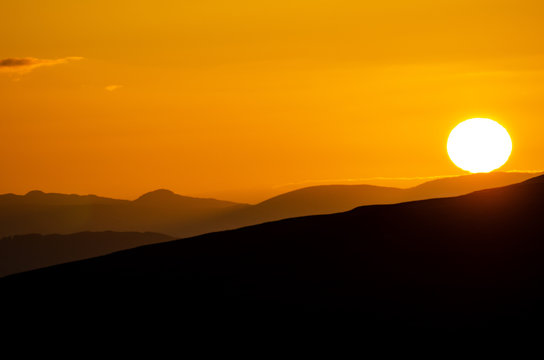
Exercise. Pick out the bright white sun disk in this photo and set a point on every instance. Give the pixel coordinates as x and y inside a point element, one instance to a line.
<point>479,145</point>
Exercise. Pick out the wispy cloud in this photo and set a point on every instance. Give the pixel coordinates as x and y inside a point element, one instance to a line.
<point>113,87</point>
<point>27,64</point>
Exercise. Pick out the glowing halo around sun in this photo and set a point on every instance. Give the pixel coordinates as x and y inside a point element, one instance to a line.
<point>479,145</point>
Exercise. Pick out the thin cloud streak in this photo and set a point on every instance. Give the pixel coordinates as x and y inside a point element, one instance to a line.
<point>27,64</point>
<point>113,87</point>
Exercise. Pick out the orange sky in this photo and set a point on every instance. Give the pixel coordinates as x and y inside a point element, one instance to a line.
<point>231,98</point>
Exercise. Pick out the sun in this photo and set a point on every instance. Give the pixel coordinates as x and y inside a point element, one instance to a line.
<point>479,145</point>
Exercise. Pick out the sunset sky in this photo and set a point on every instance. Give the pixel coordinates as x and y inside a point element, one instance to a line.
<point>233,99</point>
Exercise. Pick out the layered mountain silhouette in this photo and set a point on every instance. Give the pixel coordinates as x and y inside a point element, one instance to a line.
<point>27,252</point>
<point>164,212</point>
<point>98,224</point>
<point>473,261</point>
<point>328,199</point>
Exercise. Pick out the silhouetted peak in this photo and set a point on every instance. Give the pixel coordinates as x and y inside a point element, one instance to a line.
<point>160,194</point>
<point>35,193</point>
<point>164,197</point>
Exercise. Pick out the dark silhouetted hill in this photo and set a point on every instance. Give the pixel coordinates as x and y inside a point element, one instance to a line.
<point>27,252</point>
<point>468,262</point>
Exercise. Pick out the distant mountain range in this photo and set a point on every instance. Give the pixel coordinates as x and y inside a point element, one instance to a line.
<point>159,211</point>
<point>164,212</point>
<point>467,262</point>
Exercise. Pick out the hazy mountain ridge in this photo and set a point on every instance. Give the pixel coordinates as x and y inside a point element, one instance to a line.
<point>158,211</point>
<point>473,261</point>
<point>37,197</point>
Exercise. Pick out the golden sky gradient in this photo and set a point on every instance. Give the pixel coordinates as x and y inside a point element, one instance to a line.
<point>227,98</point>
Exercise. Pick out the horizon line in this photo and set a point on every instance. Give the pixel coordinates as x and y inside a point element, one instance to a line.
<point>287,185</point>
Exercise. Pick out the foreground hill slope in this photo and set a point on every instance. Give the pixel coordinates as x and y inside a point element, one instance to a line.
<point>466,262</point>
